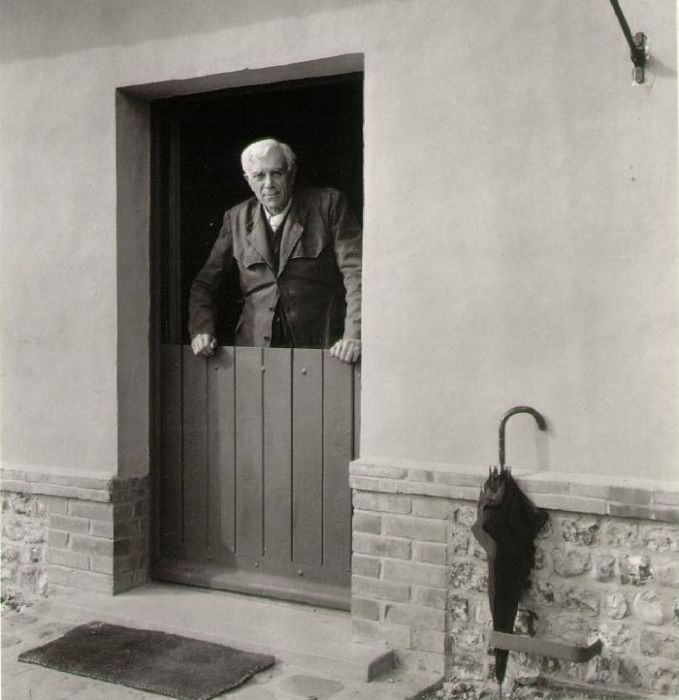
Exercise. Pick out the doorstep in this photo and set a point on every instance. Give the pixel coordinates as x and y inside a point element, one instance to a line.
<point>298,635</point>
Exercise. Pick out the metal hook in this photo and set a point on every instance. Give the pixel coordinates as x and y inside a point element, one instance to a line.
<point>503,422</point>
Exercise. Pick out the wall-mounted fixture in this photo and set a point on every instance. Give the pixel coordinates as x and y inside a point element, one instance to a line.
<point>637,44</point>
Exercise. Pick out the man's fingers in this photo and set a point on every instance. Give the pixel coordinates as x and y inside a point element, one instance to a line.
<point>203,344</point>
<point>346,350</point>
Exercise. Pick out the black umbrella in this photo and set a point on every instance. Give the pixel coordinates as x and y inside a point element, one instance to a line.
<point>506,525</point>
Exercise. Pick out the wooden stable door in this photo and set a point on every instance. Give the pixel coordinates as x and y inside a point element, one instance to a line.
<point>255,445</point>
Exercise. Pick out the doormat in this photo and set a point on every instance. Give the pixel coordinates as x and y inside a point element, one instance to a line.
<point>167,664</point>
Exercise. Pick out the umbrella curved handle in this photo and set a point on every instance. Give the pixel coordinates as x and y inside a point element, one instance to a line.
<point>503,422</point>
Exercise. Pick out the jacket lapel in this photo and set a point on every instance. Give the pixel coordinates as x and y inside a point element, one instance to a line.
<point>292,232</point>
<point>258,235</point>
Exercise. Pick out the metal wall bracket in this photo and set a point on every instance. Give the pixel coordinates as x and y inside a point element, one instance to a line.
<point>638,45</point>
<point>543,647</point>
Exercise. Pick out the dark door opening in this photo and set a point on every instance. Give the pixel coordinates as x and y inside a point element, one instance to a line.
<point>253,445</point>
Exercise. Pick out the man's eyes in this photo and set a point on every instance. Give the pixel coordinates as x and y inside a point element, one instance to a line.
<point>274,173</point>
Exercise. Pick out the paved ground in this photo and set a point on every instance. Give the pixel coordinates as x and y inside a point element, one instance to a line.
<point>33,626</point>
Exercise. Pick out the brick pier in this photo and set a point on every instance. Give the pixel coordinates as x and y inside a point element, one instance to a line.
<point>606,568</point>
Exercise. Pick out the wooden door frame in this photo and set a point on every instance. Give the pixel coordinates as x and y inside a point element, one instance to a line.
<point>138,210</point>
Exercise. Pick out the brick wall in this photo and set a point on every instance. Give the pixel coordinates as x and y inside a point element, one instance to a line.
<point>73,533</point>
<point>420,578</point>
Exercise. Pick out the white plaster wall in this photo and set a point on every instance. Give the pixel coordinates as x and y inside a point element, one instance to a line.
<point>520,221</point>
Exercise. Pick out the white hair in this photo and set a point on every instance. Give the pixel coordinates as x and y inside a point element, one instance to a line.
<point>259,149</point>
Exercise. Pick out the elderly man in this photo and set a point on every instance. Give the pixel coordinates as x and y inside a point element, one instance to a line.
<point>297,252</point>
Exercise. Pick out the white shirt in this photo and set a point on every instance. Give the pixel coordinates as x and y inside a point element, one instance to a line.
<point>275,220</point>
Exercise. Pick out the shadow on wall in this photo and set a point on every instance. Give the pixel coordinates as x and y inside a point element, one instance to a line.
<point>76,25</point>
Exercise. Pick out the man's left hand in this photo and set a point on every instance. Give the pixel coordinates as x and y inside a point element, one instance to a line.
<point>347,349</point>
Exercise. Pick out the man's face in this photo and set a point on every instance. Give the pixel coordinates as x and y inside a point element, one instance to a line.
<point>270,180</point>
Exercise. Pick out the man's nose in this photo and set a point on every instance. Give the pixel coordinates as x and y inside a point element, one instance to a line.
<point>268,180</point>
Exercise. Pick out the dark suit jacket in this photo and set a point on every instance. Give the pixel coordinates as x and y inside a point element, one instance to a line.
<point>318,280</point>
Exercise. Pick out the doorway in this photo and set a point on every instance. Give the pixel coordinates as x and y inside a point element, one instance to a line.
<point>253,444</point>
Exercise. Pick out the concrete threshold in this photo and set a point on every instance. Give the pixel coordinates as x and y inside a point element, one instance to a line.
<point>296,634</point>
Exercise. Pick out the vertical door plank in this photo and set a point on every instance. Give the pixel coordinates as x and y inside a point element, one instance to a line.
<point>249,515</point>
<point>221,452</point>
<point>277,454</point>
<point>195,475</point>
<point>337,453</point>
<point>171,449</point>
<point>357,411</point>
<point>307,437</point>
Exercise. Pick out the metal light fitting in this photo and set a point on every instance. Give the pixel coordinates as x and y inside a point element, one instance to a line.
<point>638,45</point>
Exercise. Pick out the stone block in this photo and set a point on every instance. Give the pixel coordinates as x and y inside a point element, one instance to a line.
<point>372,631</point>
<point>629,510</point>
<point>659,643</point>
<point>635,569</point>
<point>69,523</point>
<point>430,552</point>
<point>365,566</point>
<point>428,640</point>
<point>668,498</point>
<point>421,661</point>
<point>615,605</point>
<point>414,573</point>
<point>425,618</point>
<point>526,622</point>
<point>96,546</point>
<point>414,528</point>
<point>629,673</point>
<point>459,541</point>
<point>660,538</point>
<point>370,523</point>
<point>458,608</point>
<point>668,574</point>
<point>482,615</point>
<point>101,528</point>
<point>466,666</point>
<point>83,580</point>
<point>469,575</point>
<point>365,587</point>
<point>92,511</point>
<point>570,562</point>
<point>580,530</point>
<point>650,608</point>
<point>381,546</point>
<point>569,628</point>
<point>429,597</point>
<point>467,638</point>
<point>574,504</point>
<point>429,507</point>
<point>603,567</point>
<point>665,679</point>
<point>379,471</point>
<point>620,534</point>
<point>542,592</point>
<point>58,539</point>
<point>382,502</point>
<point>465,516</point>
<point>628,495</point>
<point>581,600</point>
<point>363,607</point>
<point>424,475</point>
<point>67,558</point>
<point>616,637</point>
<point>666,514</point>
<point>58,506</point>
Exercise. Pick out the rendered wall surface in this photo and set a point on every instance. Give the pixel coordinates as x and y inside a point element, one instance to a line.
<point>520,243</point>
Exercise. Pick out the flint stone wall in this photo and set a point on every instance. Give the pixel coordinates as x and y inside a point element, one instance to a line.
<point>420,578</point>
<point>24,547</point>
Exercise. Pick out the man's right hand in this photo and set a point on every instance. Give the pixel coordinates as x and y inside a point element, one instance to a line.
<point>203,344</point>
